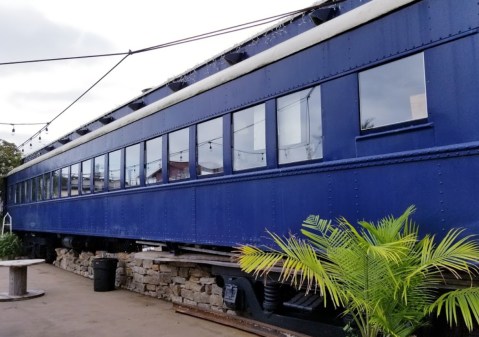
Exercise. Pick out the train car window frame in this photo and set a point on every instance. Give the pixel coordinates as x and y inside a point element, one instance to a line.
<point>40,189</point>
<point>249,138</point>
<point>393,94</point>
<point>99,174</point>
<point>64,182</point>
<point>74,191</point>
<point>299,126</point>
<point>86,185</point>
<point>179,155</point>
<point>154,161</point>
<point>114,170</point>
<point>34,189</point>
<point>47,186</point>
<point>209,147</point>
<point>132,166</point>
<point>56,184</point>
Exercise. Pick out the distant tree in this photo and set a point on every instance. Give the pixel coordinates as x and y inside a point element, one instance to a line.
<point>10,157</point>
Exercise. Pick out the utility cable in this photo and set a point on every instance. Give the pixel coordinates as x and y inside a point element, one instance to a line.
<point>76,100</point>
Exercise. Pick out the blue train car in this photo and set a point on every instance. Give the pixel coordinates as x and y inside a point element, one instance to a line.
<point>353,108</point>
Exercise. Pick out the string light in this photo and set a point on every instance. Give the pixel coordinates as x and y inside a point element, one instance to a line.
<point>13,129</point>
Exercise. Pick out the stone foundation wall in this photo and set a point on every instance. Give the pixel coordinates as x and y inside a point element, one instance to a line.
<point>178,282</point>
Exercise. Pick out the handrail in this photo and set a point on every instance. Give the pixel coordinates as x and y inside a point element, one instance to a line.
<point>9,224</point>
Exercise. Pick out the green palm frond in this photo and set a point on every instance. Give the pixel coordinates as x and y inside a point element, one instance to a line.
<point>461,302</point>
<point>382,274</point>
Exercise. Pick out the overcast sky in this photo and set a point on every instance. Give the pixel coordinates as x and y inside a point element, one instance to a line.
<point>32,29</point>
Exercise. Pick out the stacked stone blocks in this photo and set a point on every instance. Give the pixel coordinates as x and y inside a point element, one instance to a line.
<point>179,282</point>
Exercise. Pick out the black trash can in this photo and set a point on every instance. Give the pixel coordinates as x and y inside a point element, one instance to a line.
<point>104,273</point>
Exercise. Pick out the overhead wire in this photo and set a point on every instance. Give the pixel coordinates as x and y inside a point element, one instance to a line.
<point>214,33</point>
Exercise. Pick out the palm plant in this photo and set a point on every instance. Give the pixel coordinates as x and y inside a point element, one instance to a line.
<point>382,274</point>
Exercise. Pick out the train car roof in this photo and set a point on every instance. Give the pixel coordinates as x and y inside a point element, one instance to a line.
<point>340,24</point>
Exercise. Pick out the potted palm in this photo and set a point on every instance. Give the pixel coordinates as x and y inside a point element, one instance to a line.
<point>10,246</point>
<point>382,274</point>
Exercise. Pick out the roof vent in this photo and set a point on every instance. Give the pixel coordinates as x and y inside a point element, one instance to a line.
<point>322,15</point>
<point>235,57</point>
<point>106,119</point>
<point>175,86</point>
<point>64,140</point>
<point>83,131</point>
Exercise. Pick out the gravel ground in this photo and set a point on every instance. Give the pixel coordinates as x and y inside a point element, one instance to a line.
<point>71,308</point>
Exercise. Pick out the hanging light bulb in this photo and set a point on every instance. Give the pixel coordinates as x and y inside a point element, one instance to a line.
<point>30,143</point>
<point>210,146</point>
<point>40,137</point>
<point>13,129</point>
<point>46,128</point>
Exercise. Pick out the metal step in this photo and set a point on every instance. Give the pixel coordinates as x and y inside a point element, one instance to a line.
<point>304,302</point>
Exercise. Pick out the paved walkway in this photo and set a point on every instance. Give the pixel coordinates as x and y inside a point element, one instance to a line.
<point>71,308</point>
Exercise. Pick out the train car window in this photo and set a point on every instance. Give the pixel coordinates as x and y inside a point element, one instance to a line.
<point>209,147</point>
<point>393,93</point>
<point>17,193</point>
<point>40,189</point>
<point>34,189</point>
<point>153,160</point>
<point>99,173</point>
<point>29,190</point>
<point>249,138</point>
<point>56,184</point>
<point>64,182</point>
<point>300,134</point>
<point>47,184</point>
<point>132,165</point>
<point>74,179</point>
<point>114,167</point>
<point>11,194</point>
<point>86,177</point>
<point>178,155</point>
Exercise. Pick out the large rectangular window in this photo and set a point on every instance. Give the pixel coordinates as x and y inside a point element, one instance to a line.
<point>40,189</point>
<point>74,179</point>
<point>249,138</point>
<point>114,167</point>
<point>47,185</point>
<point>99,173</point>
<point>34,189</point>
<point>300,135</point>
<point>393,93</point>
<point>64,182</point>
<point>55,184</point>
<point>209,147</point>
<point>178,155</point>
<point>132,165</point>
<point>153,159</point>
<point>86,176</point>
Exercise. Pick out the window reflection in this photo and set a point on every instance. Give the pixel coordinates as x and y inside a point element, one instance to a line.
<point>47,186</point>
<point>249,140</point>
<point>209,145</point>
<point>153,159</point>
<point>132,165</point>
<point>74,179</point>
<point>99,173</point>
<point>34,189</point>
<point>55,183</point>
<point>86,176</point>
<point>64,182</point>
<point>178,155</point>
<point>393,93</point>
<point>40,195</point>
<point>299,126</point>
<point>114,167</point>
